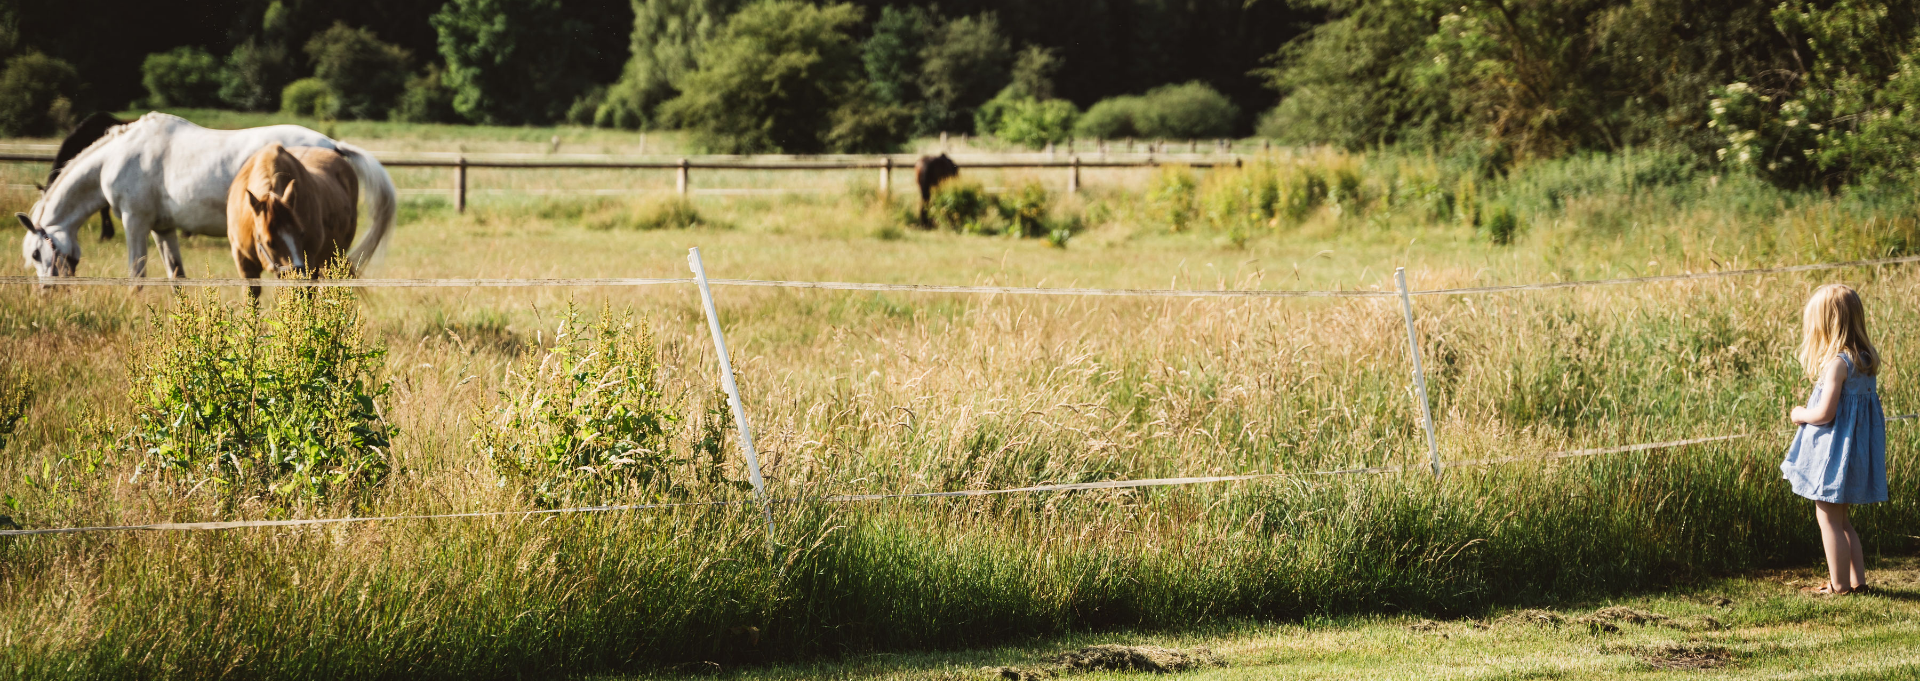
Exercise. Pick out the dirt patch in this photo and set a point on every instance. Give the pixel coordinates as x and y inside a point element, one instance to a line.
<point>1607,620</point>
<point>1680,656</point>
<point>1117,658</point>
<point>1138,659</point>
<point>1538,618</point>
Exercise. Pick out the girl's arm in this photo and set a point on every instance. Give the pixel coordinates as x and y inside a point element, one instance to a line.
<point>1832,376</point>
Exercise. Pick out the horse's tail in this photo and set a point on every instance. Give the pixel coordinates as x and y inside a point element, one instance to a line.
<point>382,203</point>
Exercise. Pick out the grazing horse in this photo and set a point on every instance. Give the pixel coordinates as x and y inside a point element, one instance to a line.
<point>929,172</point>
<point>165,175</point>
<point>291,211</point>
<point>83,135</point>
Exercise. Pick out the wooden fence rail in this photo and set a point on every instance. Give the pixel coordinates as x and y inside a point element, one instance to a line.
<point>683,168</point>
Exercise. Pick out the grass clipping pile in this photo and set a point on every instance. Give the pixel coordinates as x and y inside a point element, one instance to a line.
<point>1117,658</point>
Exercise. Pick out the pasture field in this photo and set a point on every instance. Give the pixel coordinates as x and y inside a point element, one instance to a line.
<point>902,392</point>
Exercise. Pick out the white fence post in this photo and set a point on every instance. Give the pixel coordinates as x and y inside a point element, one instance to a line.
<point>733,391</point>
<point>1419,375</point>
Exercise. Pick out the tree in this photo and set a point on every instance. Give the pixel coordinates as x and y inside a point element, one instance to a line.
<point>366,75</point>
<point>511,62</point>
<point>667,35</point>
<point>36,95</point>
<point>962,66</point>
<point>892,54</point>
<point>772,79</point>
<point>182,77</point>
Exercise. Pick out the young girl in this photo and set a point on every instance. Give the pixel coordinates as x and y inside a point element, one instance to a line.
<point>1838,457</point>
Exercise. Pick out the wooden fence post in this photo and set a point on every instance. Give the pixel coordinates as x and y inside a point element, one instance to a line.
<point>460,186</point>
<point>680,178</point>
<point>1073,178</point>
<point>886,178</point>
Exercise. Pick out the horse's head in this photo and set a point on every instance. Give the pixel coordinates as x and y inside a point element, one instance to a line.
<point>50,254</point>
<point>274,228</point>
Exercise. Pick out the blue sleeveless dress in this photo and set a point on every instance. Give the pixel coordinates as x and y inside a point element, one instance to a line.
<point>1845,460</point>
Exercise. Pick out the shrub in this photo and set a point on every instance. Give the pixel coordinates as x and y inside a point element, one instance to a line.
<point>1501,225</point>
<point>1111,118</point>
<point>652,214</point>
<point>366,75</point>
<point>1172,196</point>
<point>309,97</point>
<point>864,126</point>
<point>36,95</point>
<point>586,105</point>
<point>581,420</point>
<point>426,99</point>
<point>183,77</point>
<point>772,79</point>
<point>1190,111</point>
<point>1026,121</point>
<point>959,205</point>
<point>282,405</point>
<point>1025,210</point>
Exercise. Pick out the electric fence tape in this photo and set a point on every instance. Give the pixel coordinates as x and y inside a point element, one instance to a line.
<point>922,288</point>
<point>931,288</point>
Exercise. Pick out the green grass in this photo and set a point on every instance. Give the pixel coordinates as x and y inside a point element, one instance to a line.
<point>1767,630</point>
<point>864,392</point>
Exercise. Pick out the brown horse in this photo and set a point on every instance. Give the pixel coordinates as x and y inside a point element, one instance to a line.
<point>292,211</point>
<point>929,172</point>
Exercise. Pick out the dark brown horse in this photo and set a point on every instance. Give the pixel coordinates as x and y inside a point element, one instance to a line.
<point>84,135</point>
<point>929,172</point>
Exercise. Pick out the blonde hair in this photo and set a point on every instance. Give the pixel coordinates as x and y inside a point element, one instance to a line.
<point>1835,322</point>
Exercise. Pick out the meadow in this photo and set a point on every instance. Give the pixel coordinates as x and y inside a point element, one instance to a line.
<point>902,393</point>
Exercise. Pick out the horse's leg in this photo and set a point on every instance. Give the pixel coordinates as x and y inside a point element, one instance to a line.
<point>250,268</point>
<point>137,231</point>
<point>170,252</point>
<point>106,224</point>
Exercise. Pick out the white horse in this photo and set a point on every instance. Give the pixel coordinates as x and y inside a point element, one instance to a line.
<point>164,175</point>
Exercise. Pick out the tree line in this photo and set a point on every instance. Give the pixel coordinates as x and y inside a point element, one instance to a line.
<point>1805,93</point>
<point>615,62</point>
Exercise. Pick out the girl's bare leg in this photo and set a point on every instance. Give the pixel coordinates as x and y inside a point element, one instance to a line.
<point>1846,568</point>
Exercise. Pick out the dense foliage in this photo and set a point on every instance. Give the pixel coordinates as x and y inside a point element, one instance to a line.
<point>581,420</point>
<point>185,76</point>
<point>1800,93</point>
<point>772,79</point>
<point>36,95</point>
<point>1188,111</point>
<point>273,408</point>
<point>510,62</point>
<point>365,74</point>
<point>666,35</point>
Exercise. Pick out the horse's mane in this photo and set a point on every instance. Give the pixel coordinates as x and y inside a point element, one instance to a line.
<point>106,138</point>
<point>82,136</point>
